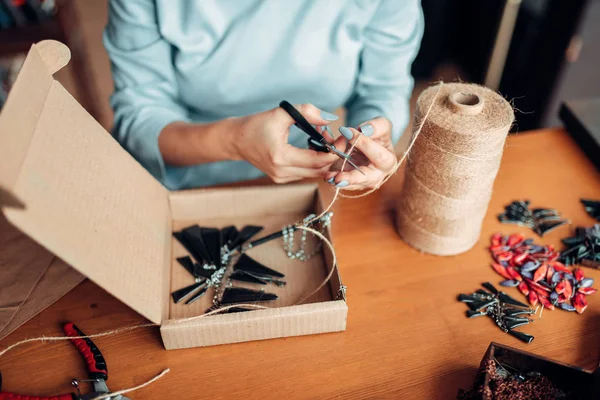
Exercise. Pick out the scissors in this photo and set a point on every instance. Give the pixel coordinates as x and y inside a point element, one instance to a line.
<point>316,141</point>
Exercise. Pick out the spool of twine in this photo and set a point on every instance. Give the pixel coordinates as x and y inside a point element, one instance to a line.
<point>452,167</point>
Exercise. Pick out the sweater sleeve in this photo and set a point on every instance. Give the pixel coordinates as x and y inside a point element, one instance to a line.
<point>146,97</point>
<point>384,83</point>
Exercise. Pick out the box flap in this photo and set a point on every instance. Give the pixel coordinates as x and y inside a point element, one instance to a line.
<point>84,198</point>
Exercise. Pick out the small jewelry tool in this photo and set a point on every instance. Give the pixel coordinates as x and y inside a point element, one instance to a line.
<point>96,366</point>
<point>316,141</point>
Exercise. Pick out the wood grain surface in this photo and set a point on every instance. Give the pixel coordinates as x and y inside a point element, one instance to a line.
<point>407,336</point>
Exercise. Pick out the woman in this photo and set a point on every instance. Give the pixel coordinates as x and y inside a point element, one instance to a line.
<point>197,85</point>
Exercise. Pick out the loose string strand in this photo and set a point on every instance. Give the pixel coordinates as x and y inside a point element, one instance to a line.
<point>220,310</point>
<point>337,190</point>
<point>59,338</point>
<point>404,156</point>
<point>333,262</point>
<point>113,395</point>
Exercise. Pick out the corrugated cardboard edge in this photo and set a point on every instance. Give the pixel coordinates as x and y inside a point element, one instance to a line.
<point>305,319</point>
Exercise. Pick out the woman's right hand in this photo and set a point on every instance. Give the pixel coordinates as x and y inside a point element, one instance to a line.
<point>262,140</point>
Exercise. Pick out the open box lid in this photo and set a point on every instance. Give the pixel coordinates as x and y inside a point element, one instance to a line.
<point>82,196</point>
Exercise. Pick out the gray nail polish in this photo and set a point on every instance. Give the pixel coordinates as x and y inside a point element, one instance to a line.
<point>342,184</point>
<point>327,116</point>
<point>367,129</point>
<point>331,180</point>
<point>346,132</point>
<point>326,128</point>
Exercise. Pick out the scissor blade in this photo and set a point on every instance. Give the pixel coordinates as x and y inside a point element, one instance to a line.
<point>356,167</point>
<point>344,156</point>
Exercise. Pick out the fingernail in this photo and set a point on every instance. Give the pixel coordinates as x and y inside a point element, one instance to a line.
<point>342,184</point>
<point>367,129</point>
<point>346,132</point>
<point>331,180</point>
<point>326,128</point>
<point>327,116</point>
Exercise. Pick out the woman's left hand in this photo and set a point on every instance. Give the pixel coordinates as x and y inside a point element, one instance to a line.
<point>374,153</point>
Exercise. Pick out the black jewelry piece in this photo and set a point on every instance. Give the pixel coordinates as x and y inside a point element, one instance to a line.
<point>187,263</point>
<point>211,249</point>
<point>246,277</point>
<point>191,239</point>
<point>200,293</point>
<point>583,248</point>
<point>234,295</point>
<point>180,294</point>
<point>252,277</point>
<point>212,240</point>
<point>246,234</point>
<point>246,263</point>
<point>499,306</point>
<point>592,207</point>
<point>228,235</point>
<point>541,220</point>
<point>198,273</point>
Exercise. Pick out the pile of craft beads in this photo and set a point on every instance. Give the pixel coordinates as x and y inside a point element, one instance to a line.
<point>537,273</point>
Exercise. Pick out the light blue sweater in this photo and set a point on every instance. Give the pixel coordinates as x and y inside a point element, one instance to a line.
<point>201,61</point>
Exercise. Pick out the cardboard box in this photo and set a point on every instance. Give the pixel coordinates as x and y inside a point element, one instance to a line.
<point>88,201</point>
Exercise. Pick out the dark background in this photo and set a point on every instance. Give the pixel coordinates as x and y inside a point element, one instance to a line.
<point>538,74</point>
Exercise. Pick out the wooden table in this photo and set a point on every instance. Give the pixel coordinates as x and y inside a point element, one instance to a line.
<point>407,336</point>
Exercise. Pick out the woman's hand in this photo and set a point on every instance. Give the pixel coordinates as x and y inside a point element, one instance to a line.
<point>374,152</point>
<point>262,140</point>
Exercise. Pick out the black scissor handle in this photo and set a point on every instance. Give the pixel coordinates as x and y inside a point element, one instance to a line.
<point>301,122</point>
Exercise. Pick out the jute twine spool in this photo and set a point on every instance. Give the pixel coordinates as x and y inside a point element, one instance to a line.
<point>452,167</point>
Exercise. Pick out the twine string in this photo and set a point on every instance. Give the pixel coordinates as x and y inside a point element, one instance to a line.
<point>59,338</point>
<point>132,389</point>
<point>333,262</point>
<point>337,189</point>
<point>220,310</point>
<point>415,135</point>
<point>487,157</point>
